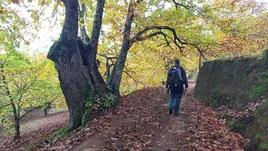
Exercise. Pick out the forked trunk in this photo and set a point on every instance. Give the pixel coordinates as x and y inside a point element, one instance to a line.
<point>75,62</point>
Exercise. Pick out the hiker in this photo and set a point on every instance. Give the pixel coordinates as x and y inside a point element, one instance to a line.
<point>176,80</point>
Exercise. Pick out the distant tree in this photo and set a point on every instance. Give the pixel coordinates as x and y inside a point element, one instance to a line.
<point>24,85</point>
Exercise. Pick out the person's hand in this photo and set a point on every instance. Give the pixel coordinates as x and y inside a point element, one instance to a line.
<point>185,90</point>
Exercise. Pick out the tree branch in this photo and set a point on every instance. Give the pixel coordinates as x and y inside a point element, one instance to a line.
<point>107,57</point>
<point>36,108</point>
<point>4,105</point>
<point>81,12</point>
<point>180,5</point>
<point>148,36</point>
<point>160,31</point>
<point>30,111</point>
<point>97,25</point>
<point>70,27</point>
<point>136,83</point>
<point>108,66</point>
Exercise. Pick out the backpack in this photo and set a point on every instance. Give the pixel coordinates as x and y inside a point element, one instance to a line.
<point>176,77</point>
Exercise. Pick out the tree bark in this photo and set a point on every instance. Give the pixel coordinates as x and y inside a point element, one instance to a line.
<point>75,62</point>
<point>17,128</point>
<point>116,75</point>
<point>16,114</point>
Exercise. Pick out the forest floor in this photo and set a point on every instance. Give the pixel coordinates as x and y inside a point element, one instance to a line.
<point>142,122</point>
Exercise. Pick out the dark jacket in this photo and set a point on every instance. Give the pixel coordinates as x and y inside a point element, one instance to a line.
<point>183,74</point>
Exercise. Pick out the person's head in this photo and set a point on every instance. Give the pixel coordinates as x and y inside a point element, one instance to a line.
<point>177,62</point>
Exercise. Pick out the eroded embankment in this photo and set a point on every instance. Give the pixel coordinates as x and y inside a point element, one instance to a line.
<point>238,88</point>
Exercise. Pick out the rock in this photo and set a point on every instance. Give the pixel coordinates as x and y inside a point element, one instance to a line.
<point>87,129</point>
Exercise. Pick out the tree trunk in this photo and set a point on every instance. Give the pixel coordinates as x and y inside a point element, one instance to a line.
<point>115,78</point>
<point>17,128</point>
<point>199,62</point>
<point>46,110</point>
<point>75,62</point>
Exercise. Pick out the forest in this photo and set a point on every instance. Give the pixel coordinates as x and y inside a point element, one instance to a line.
<point>70,70</point>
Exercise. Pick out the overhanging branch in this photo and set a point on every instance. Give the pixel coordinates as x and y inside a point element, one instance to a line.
<point>180,5</point>
<point>159,30</point>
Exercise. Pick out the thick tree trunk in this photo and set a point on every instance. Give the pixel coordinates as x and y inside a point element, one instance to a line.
<point>115,78</point>
<point>75,62</point>
<point>75,79</point>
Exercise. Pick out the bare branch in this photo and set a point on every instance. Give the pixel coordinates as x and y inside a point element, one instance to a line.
<point>148,36</point>
<point>107,57</point>
<point>14,82</point>
<point>160,31</point>
<point>180,5</point>
<point>37,108</point>
<point>4,106</point>
<point>136,83</point>
<point>108,66</point>
<point>199,50</point>
<point>30,111</point>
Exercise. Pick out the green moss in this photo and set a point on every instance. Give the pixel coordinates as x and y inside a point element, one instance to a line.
<point>214,104</point>
<point>197,95</point>
<point>263,77</point>
<point>215,96</point>
<point>240,125</point>
<point>259,135</point>
<point>261,109</point>
<point>265,54</point>
<point>263,145</point>
<point>260,87</point>
<point>256,91</point>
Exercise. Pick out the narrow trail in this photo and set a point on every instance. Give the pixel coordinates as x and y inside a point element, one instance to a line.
<point>148,122</point>
<point>142,122</point>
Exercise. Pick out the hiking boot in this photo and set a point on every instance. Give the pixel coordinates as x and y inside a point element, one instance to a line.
<point>176,114</point>
<point>170,111</point>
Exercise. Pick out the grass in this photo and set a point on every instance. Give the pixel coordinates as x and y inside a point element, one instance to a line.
<point>263,145</point>
<point>60,133</point>
<point>260,87</point>
<point>256,91</point>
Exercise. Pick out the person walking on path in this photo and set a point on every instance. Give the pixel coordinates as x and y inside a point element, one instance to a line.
<point>177,84</point>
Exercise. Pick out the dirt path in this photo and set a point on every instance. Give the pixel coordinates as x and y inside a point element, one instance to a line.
<point>142,123</point>
<point>151,118</point>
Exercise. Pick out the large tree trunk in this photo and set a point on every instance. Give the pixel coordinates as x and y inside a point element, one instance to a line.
<point>75,61</point>
<point>115,78</point>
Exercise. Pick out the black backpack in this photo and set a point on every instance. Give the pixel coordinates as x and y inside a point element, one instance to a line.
<point>175,78</point>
